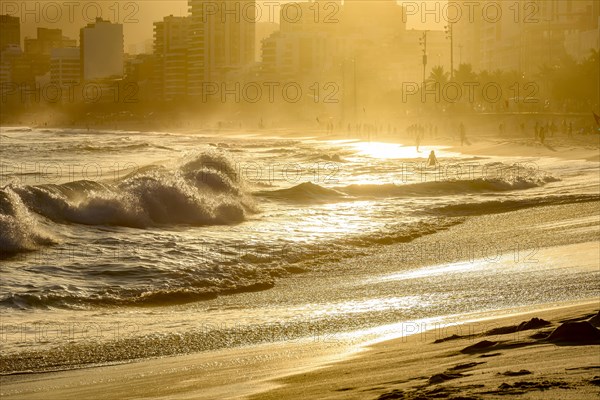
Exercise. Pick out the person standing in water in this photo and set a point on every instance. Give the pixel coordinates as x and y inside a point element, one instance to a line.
<point>432,161</point>
<point>463,134</point>
<point>571,129</point>
<point>542,134</point>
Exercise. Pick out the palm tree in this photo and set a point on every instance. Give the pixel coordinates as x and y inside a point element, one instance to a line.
<point>437,76</point>
<point>464,73</point>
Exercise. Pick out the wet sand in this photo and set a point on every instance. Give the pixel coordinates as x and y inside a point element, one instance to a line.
<point>406,367</point>
<point>521,363</point>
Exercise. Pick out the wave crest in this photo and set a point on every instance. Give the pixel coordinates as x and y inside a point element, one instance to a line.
<point>313,193</point>
<point>204,191</point>
<point>19,229</point>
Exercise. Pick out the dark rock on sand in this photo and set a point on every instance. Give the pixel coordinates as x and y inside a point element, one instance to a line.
<point>516,373</point>
<point>540,335</point>
<point>484,344</point>
<point>344,389</point>
<point>595,320</point>
<point>527,386</point>
<point>490,355</point>
<point>438,392</point>
<point>394,394</point>
<point>541,385</point>
<point>575,333</point>
<point>533,323</point>
<point>439,378</point>
<point>453,337</point>
<point>464,398</point>
<point>465,366</point>
<point>503,330</point>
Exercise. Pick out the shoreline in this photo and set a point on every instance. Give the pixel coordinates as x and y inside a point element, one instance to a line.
<point>391,368</point>
<point>274,370</point>
<point>484,142</point>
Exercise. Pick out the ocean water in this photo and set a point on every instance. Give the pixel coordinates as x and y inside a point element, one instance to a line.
<point>145,234</point>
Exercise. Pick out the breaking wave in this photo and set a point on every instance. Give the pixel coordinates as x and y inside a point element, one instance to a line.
<point>203,191</point>
<point>310,192</point>
<point>19,229</point>
<point>253,267</point>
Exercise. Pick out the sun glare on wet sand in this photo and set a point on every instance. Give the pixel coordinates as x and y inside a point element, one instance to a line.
<point>382,150</point>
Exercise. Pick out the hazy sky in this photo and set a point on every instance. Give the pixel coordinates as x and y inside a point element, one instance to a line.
<point>137,17</point>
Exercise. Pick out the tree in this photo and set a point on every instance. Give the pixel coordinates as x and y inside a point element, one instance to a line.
<point>464,73</point>
<point>437,76</point>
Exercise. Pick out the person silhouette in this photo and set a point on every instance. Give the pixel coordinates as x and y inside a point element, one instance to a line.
<point>463,134</point>
<point>432,161</point>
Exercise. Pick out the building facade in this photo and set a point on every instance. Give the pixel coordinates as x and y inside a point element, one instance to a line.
<point>102,54</point>
<point>220,41</point>
<point>171,53</point>
<point>527,34</point>
<point>10,31</point>
<point>65,66</point>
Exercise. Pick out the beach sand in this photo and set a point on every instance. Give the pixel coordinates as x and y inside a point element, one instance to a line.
<point>411,367</point>
<point>415,367</point>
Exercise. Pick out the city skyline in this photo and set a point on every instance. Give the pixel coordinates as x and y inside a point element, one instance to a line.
<point>136,33</point>
<point>320,57</point>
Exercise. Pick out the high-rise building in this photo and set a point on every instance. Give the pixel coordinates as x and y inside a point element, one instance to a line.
<point>263,31</point>
<point>327,40</point>
<point>46,40</point>
<point>10,31</point>
<point>221,40</point>
<point>102,52</point>
<point>10,47</point>
<point>302,48</point>
<point>65,66</point>
<point>379,19</point>
<point>65,72</point>
<point>171,52</point>
<point>38,49</point>
<point>11,58</point>
<point>527,34</point>
<point>296,55</point>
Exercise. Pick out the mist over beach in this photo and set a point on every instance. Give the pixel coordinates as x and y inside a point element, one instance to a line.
<point>317,199</point>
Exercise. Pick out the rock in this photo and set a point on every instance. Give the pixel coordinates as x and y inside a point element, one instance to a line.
<point>465,366</point>
<point>517,373</point>
<point>394,394</point>
<point>576,333</point>
<point>484,344</point>
<point>595,320</point>
<point>453,337</point>
<point>439,378</point>
<point>533,323</point>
